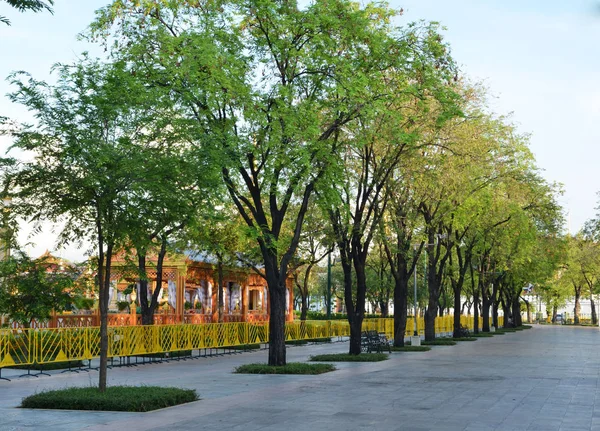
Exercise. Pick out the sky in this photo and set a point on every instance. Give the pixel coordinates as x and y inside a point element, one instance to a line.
<point>539,58</point>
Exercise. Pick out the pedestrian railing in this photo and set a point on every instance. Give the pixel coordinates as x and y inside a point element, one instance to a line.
<point>44,346</point>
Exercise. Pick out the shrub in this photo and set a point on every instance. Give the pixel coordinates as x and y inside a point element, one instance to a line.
<point>439,342</point>
<point>122,305</point>
<point>346,357</point>
<point>116,398</point>
<point>411,349</point>
<point>290,368</point>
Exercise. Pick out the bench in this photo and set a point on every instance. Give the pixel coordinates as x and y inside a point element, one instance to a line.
<point>371,341</point>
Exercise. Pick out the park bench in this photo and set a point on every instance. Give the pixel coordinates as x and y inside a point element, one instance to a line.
<point>371,341</point>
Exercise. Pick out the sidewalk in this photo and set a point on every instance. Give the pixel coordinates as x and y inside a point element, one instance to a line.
<point>545,378</point>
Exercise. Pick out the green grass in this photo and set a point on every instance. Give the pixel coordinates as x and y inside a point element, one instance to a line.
<point>411,349</point>
<point>505,330</point>
<point>290,368</point>
<point>485,334</point>
<point>346,357</point>
<point>464,339</point>
<point>49,366</point>
<point>525,327</point>
<point>116,398</point>
<point>308,340</point>
<point>439,342</point>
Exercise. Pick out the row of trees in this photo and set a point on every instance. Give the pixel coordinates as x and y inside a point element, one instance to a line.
<point>285,132</point>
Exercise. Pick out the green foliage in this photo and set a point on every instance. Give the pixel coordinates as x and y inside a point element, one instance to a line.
<point>290,368</point>
<point>31,288</point>
<point>27,5</point>
<point>439,342</point>
<point>122,305</point>
<point>308,340</point>
<point>345,357</point>
<point>464,339</point>
<point>411,349</point>
<point>115,398</point>
<point>485,334</point>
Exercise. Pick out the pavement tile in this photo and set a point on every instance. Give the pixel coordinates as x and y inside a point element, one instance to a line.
<point>546,378</point>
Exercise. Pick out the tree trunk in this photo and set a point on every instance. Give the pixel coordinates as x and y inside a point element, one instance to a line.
<point>577,308</point>
<point>400,310</point>
<point>433,287</point>
<point>476,313</point>
<point>357,314</point>
<point>104,265</point>
<point>485,310</point>
<point>495,305</point>
<point>516,311</point>
<point>594,316</point>
<point>528,310</point>
<point>384,309</point>
<point>277,353</point>
<point>554,313</point>
<point>457,310</point>
<point>304,307</point>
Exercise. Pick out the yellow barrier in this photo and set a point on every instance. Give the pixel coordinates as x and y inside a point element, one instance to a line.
<point>28,346</point>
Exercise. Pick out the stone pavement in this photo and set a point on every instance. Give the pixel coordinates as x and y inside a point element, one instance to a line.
<point>545,378</point>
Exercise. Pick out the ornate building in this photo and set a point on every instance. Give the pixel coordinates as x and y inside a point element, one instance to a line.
<point>189,290</point>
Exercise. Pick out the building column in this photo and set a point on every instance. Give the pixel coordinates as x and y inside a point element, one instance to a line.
<point>245,301</point>
<point>290,308</point>
<point>180,286</point>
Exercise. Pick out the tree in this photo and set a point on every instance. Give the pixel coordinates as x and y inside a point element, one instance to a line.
<point>29,290</point>
<point>85,166</point>
<point>272,85</point>
<point>25,5</point>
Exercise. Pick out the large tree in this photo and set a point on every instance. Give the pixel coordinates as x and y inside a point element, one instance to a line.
<point>272,85</point>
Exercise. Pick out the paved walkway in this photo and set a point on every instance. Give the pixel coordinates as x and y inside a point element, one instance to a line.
<point>542,379</point>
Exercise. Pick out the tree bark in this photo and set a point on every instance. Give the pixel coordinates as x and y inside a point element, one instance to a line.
<point>357,315</point>
<point>485,309</point>
<point>400,310</point>
<point>277,352</point>
<point>476,313</point>
<point>577,308</point>
<point>594,315</point>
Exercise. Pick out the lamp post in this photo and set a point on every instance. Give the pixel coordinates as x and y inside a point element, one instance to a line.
<point>328,286</point>
<point>416,334</point>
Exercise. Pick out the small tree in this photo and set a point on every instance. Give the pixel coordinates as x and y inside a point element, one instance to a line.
<point>30,291</point>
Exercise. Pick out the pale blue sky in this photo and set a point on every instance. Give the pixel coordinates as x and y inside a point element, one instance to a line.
<point>540,60</point>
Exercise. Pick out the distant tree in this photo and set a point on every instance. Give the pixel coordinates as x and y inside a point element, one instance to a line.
<point>25,5</point>
<point>29,290</point>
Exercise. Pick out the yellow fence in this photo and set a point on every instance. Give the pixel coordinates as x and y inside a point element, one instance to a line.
<point>43,346</point>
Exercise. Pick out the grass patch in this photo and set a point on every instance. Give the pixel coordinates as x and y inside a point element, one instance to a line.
<point>290,368</point>
<point>411,349</point>
<point>525,327</point>
<point>439,342</point>
<point>505,330</point>
<point>308,340</point>
<point>464,339</point>
<point>116,398</point>
<point>49,366</point>
<point>485,334</point>
<point>346,357</point>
